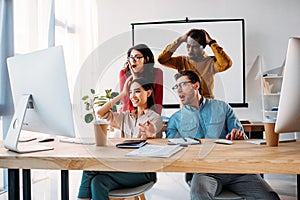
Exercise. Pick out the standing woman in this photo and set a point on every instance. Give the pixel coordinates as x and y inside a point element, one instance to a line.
<point>140,63</point>
<point>142,122</point>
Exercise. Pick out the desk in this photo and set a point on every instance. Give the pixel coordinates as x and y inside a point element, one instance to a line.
<point>241,157</point>
<point>254,130</point>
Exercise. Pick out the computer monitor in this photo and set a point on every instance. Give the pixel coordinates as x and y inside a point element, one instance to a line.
<point>41,97</point>
<point>288,118</point>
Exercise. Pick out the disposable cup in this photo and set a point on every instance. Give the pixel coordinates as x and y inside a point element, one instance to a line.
<point>272,138</point>
<point>100,130</point>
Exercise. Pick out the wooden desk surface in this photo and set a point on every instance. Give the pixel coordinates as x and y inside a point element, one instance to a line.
<point>241,157</point>
<point>256,127</point>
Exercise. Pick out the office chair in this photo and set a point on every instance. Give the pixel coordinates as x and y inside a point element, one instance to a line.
<point>224,195</point>
<point>136,192</point>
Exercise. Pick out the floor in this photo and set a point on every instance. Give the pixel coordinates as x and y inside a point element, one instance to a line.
<point>170,186</point>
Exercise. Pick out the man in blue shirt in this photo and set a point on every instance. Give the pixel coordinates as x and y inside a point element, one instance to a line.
<point>207,118</point>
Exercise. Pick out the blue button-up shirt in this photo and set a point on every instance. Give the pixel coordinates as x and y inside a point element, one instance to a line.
<point>213,119</point>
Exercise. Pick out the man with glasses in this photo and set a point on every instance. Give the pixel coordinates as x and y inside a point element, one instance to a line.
<point>205,66</point>
<point>208,118</point>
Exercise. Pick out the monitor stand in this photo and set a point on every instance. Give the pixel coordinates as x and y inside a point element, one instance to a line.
<point>13,134</point>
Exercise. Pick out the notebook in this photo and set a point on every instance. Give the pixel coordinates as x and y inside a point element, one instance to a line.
<point>160,151</point>
<point>132,143</point>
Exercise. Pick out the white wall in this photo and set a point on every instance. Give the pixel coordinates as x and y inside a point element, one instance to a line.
<point>269,24</point>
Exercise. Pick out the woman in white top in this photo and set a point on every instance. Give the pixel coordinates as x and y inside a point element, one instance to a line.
<point>132,123</point>
<point>142,122</point>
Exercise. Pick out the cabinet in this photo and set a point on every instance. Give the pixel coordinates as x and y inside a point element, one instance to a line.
<point>271,95</point>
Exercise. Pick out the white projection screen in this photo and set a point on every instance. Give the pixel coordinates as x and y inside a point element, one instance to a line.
<point>229,33</point>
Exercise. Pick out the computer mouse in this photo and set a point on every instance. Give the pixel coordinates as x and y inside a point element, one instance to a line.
<point>46,139</point>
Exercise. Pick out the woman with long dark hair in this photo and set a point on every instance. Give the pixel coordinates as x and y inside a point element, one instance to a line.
<point>140,63</point>
<point>141,122</point>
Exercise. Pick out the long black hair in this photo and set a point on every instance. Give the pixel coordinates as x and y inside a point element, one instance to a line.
<point>148,72</point>
<point>146,86</point>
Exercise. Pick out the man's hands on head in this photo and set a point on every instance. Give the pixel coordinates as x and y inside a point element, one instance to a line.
<point>186,35</point>
<point>235,134</point>
<point>207,36</point>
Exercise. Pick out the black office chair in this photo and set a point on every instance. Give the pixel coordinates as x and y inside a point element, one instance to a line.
<point>224,195</point>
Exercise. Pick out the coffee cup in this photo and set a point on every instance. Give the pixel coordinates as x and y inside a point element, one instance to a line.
<point>272,138</point>
<point>100,130</point>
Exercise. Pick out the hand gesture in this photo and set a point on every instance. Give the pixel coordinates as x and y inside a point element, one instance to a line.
<point>126,84</point>
<point>128,64</point>
<point>147,130</point>
<point>207,36</point>
<point>235,134</point>
<point>186,35</point>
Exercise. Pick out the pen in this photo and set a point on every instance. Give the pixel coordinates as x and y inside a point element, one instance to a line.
<point>197,139</point>
<point>182,137</point>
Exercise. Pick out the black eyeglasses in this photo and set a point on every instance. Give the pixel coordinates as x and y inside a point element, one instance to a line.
<point>181,85</point>
<point>135,58</point>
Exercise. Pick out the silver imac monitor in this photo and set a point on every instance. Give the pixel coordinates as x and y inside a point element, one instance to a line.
<point>288,118</point>
<point>41,97</point>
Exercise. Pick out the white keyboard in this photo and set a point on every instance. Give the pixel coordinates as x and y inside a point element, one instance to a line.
<point>87,140</point>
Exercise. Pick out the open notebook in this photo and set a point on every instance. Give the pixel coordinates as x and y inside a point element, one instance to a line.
<point>159,151</point>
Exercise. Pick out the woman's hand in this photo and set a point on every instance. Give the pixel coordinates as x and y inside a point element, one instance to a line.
<point>129,65</point>
<point>147,130</point>
<point>127,84</point>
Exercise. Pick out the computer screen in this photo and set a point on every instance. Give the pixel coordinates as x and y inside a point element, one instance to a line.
<point>40,94</point>
<point>288,118</point>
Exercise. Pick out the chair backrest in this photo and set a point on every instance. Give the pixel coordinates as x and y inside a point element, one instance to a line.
<point>131,192</point>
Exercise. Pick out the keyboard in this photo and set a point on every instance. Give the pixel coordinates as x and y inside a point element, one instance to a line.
<point>87,140</point>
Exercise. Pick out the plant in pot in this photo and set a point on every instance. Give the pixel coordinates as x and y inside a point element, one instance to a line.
<point>91,102</point>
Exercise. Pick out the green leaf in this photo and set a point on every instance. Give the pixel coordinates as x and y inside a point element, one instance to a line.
<point>85,97</point>
<point>108,93</point>
<point>87,106</point>
<point>114,108</point>
<point>114,94</point>
<point>88,118</point>
<point>103,101</point>
<point>92,91</point>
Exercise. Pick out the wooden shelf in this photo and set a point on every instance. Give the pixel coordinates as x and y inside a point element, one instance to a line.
<point>271,94</point>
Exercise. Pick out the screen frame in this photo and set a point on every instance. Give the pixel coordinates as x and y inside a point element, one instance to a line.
<point>186,20</point>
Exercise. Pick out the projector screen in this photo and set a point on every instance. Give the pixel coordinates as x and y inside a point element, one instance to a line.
<point>229,34</point>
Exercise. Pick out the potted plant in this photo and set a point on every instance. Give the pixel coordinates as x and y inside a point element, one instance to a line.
<point>92,101</point>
